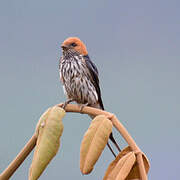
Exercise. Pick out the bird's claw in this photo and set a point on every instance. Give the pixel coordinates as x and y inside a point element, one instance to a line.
<point>82,107</point>
<point>66,103</point>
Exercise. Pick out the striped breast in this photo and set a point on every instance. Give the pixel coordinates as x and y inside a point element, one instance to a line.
<point>77,80</point>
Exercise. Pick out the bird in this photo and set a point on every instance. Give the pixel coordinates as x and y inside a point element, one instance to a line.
<point>80,78</point>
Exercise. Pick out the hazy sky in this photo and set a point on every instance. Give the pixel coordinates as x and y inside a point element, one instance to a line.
<point>136,47</point>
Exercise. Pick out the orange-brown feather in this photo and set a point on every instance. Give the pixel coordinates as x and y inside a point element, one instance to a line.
<point>80,48</point>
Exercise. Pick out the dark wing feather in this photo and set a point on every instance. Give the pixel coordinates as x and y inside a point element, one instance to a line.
<point>95,80</point>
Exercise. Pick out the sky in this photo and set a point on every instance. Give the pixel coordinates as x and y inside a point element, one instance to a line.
<point>136,47</point>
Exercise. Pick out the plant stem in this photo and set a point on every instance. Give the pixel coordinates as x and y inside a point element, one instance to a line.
<point>9,171</point>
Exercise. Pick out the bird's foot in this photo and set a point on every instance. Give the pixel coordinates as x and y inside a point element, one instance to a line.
<point>82,107</point>
<point>66,103</point>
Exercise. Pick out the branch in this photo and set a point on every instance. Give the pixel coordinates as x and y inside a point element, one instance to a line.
<point>8,172</point>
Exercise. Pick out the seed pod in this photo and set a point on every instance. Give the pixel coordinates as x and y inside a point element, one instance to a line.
<point>42,120</point>
<point>94,142</point>
<point>134,172</point>
<point>123,167</point>
<point>49,131</point>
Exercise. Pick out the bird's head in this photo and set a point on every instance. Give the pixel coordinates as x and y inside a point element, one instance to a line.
<point>74,43</point>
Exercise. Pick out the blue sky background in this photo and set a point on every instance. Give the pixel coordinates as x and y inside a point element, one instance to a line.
<point>136,47</point>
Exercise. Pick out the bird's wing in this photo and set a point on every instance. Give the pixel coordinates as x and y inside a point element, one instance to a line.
<point>95,79</point>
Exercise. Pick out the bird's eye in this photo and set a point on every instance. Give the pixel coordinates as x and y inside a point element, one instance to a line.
<point>74,44</point>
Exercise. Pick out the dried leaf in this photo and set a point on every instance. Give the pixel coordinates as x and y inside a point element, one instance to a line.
<point>49,130</point>
<point>94,142</point>
<point>114,162</point>
<point>134,173</point>
<point>123,167</point>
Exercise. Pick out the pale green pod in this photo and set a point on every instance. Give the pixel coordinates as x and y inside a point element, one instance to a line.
<point>49,129</point>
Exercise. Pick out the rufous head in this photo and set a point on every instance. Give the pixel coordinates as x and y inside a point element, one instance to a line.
<point>75,44</point>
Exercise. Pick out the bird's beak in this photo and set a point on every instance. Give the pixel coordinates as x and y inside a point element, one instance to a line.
<point>64,47</point>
